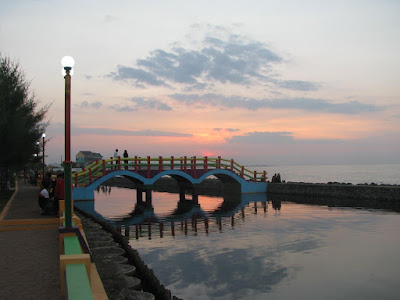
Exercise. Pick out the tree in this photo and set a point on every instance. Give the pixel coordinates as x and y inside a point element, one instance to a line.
<point>21,122</point>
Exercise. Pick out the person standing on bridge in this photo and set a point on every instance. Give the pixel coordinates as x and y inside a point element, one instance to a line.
<point>116,155</point>
<point>126,161</point>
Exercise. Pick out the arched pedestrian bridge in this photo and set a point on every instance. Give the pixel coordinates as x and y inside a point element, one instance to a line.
<point>188,171</point>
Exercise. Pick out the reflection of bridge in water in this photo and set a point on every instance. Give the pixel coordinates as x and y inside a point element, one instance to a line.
<point>244,185</point>
<point>188,216</point>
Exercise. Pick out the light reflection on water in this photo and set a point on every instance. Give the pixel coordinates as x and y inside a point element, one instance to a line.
<point>299,251</point>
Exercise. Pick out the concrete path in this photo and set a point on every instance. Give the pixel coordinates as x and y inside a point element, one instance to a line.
<point>29,249</point>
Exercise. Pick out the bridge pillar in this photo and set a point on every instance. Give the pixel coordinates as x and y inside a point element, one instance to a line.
<point>195,195</point>
<point>183,187</point>
<point>181,193</point>
<point>148,197</point>
<point>148,194</point>
<point>127,230</point>
<point>139,195</point>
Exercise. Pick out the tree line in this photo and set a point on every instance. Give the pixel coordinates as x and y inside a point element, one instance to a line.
<point>22,121</point>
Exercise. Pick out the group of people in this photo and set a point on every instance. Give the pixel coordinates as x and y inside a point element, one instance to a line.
<point>116,154</point>
<point>125,155</point>
<point>52,191</point>
<point>276,178</point>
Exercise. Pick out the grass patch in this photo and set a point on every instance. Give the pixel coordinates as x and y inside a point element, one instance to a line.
<point>4,197</point>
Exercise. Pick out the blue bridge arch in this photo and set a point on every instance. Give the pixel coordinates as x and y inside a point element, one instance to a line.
<point>246,187</point>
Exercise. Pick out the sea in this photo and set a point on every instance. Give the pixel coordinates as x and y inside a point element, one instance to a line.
<point>252,248</point>
<point>355,174</point>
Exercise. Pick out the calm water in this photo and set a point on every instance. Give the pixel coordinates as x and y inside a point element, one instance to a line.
<point>249,248</point>
<point>380,174</point>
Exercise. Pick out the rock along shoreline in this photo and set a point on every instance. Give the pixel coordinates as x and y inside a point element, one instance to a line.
<point>123,273</point>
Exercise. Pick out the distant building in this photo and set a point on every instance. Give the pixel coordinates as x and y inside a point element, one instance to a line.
<point>85,158</point>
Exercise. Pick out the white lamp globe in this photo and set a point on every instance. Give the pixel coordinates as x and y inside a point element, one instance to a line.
<point>67,61</point>
<point>43,135</point>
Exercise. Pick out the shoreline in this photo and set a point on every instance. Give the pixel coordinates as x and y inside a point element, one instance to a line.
<point>375,196</point>
<point>335,194</point>
<point>122,271</point>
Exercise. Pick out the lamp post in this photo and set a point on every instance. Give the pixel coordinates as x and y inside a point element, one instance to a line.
<point>36,162</point>
<point>43,136</point>
<point>68,62</point>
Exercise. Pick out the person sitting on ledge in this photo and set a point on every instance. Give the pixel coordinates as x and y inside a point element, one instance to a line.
<point>44,198</point>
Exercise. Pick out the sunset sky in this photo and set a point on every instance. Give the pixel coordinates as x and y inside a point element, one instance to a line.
<point>263,82</point>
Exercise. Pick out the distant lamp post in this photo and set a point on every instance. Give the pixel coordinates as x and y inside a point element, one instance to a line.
<point>43,142</point>
<point>67,63</point>
<point>35,158</point>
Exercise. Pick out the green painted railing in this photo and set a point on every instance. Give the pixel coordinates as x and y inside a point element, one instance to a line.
<point>137,164</point>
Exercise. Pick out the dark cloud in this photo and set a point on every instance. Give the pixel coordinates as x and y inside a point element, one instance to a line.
<point>307,104</point>
<point>227,129</point>
<point>298,85</point>
<point>238,61</point>
<point>148,103</point>
<point>253,104</point>
<point>195,87</point>
<point>322,105</point>
<point>137,75</point>
<point>58,129</point>
<point>87,105</point>
<point>179,66</point>
<point>141,103</point>
<point>263,138</point>
<point>109,19</point>
<point>119,108</point>
<point>116,132</point>
<point>281,138</point>
<point>233,59</point>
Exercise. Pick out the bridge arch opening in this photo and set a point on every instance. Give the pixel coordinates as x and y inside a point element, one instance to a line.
<point>231,182</point>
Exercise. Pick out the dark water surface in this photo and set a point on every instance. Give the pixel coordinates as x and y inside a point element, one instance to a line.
<point>249,248</point>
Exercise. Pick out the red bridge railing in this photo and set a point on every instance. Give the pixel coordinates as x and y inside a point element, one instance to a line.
<point>149,164</point>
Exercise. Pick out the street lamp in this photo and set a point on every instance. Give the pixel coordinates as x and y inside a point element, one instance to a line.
<point>43,136</point>
<point>67,63</point>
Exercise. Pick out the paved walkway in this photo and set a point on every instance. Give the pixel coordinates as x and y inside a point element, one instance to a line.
<point>29,249</point>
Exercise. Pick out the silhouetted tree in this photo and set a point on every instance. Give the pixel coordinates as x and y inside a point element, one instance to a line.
<point>21,122</point>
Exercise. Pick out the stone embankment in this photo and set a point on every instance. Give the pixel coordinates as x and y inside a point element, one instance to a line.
<point>123,273</point>
<point>336,194</point>
<point>331,194</point>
